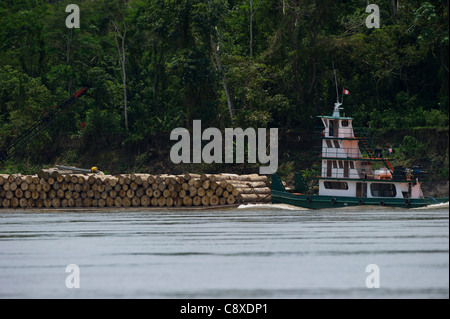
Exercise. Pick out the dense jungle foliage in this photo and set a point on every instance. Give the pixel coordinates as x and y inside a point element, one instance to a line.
<point>153,65</point>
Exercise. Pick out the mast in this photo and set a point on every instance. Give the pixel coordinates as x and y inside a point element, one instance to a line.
<point>337,105</point>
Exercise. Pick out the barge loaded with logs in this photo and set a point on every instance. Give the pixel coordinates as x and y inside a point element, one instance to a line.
<point>71,187</point>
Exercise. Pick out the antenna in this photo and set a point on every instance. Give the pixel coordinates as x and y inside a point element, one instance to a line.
<point>337,104</point>
<point>335,79</point>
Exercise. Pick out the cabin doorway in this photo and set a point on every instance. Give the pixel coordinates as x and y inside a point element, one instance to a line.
<point>334,128</point>
<point>361,190</point>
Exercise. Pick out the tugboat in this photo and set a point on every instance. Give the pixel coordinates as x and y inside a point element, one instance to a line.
<point>347,178</point>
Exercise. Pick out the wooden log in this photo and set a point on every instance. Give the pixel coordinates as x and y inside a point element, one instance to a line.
<point>87,202</point>
<point>79,202</point>
<point>156,193</point>
<point>6,203</point>
<point>3,179</point>
<point>24,186</point>
<point>34,195</point>
<point>60,193</point>
<point>32,187</point>
<point>140,192</point>
<point>248,190</point>
<point>189,176</point>
<point>118,201</point>
<point>187,201</point>
<point>135,201</point>
<point>169,201</point>
<point>235,177</point>
<point>205,200</point>
<point>149,192</point>
<point>51,194</point>
<point>101,202</point>
<point>23,202</point>
<point>48,203</point>
<point>109,201</point>
<point>253,198</point>
<point>231,200</point>
<point>219,191</point>
<point>13,186</point>
<point>18,193</point>
<point>197,201</point>
<point>214,200</point>
<point>206,184</point>
<point>154,202</point>
<point>39,203</point>
<point>126,201</point>
<point>71,202</point>
<point>213,185</point>
<point>45,173</point>
<point>246,184</point>
<point>130,193</point>
<point>161,201</point>
<point>192,191</point>
<point>178,202</point>
<point>145,201</point>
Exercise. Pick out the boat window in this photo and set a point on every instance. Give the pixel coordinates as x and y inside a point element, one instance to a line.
<point>346,169</point>
<point>383,190</point>
<point>340,164</point>
<point>336,144</point>
<point>336,185</point>
<point>344,123</point>
<point>352,165</point>
<point>334,164</point>
<point>329,144</point>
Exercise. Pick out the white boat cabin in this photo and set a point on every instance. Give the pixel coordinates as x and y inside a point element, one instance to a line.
<point>345,172</point>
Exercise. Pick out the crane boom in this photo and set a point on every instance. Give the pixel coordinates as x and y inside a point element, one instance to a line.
<point>39,126</point>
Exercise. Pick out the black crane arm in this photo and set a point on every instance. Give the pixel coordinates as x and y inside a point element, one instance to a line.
<point>40,125</point>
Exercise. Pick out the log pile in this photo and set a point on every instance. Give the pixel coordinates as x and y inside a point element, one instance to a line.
<point>53,188</point>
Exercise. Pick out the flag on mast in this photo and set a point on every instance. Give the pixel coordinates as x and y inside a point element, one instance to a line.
<point>345,92</point>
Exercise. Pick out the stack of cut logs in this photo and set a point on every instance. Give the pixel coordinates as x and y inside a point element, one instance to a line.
<point>59,189</point>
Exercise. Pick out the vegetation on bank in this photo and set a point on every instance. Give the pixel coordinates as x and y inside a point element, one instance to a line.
<point>230,63</point>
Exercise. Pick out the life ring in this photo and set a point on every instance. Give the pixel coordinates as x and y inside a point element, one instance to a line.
<point>407,202</point>
<point>333,201</point>
<point>308,199</point>
<point>382,203</point>
<point>361,202</point>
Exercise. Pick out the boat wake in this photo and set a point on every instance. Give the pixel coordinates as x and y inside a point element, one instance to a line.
<point>435,206</point>
<point>271,206</point>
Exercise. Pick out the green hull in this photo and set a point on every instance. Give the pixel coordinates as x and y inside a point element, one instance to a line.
<point>319,201</point>
<point>281,196</point>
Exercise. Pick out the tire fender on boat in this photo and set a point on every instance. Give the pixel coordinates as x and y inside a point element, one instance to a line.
<point>333,201</point>
<point>361,202</point>
<point>382,203</point>
<point>308,199</point>
<point>407,202</point>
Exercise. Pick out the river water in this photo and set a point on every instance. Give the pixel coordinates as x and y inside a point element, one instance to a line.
<point>259,251</point>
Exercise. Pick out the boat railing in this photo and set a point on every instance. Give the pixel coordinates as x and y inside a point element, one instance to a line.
<point>344,132</point>
<point>412,175</point>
